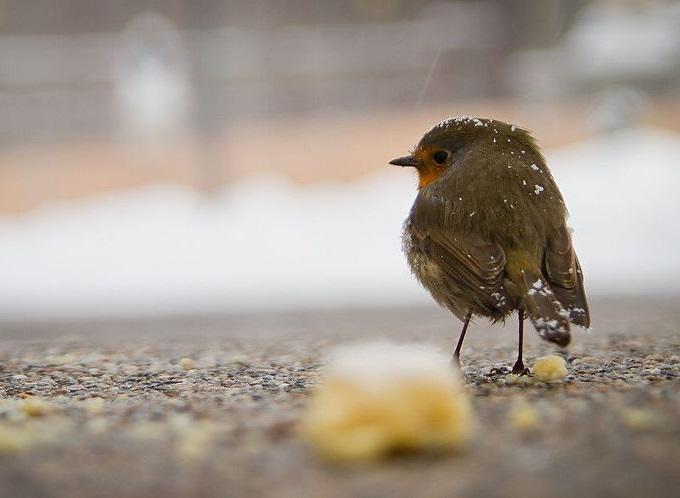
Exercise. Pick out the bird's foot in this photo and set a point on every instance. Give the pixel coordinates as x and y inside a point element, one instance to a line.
<point>520,369</point>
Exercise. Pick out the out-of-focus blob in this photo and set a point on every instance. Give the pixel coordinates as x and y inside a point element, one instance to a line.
<point>378,399</point>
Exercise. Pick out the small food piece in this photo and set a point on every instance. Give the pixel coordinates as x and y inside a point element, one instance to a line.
<point>524,418</point>
<point>518,380</point>
<point>93,406</point>
<point>187,364</point>
<point>376,399</point>
<point>639,419</point>
<point>550,368</point>
<point>13,439</point>
<point>195,442</point>
<point>35,407</point>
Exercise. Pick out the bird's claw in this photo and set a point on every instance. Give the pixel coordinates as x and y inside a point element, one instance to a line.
<point>520,369</point>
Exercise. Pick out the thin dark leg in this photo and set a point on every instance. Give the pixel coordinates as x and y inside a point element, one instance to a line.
<point>518,368</point>
<point>456,353</point>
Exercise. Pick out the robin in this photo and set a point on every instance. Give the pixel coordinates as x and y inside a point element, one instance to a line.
<point>487,233</point>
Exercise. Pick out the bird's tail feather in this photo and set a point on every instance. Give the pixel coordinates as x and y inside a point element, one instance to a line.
<point>546,313</point>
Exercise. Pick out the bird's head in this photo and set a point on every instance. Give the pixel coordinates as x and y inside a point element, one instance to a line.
<point>442,145</point>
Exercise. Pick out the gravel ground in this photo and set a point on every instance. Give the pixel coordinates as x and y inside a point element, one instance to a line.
<point>208,407</point>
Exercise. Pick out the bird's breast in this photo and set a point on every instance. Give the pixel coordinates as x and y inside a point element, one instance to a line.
<point>423,266</point>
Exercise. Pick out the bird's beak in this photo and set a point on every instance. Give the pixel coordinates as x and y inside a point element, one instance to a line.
<point>405,161</point>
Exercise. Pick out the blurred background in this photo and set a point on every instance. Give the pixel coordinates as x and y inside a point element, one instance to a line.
<point>187,157</point>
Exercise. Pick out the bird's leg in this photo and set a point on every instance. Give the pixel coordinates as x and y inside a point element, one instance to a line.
<point>456,353</point>
<point>519,367</point>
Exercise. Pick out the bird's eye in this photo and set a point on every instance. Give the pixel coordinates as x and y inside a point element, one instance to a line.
<point>440,156</point>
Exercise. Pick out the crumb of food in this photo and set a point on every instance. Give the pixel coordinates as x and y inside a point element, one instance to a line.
<point>13,439</point>
<point>518,380</point>
<point>187,363</point>
<point>94,406</point>
<point>195,442</point>
<point>524,418</point>
<point>377,399</point>
<point>35,407</point>
<point>639,419</point>
<point>550,368</point>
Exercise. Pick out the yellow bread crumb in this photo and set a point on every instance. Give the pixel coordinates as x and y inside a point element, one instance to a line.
<point>550,368</point>
<point>524,418</point>
<point>519,380</point>
<point>639,419</point>
<point>13,439</point>
<point>194,443</point>
<point>384,398</point>
<point>93,406</point>
<point>17,437</point>
<point>35,407</point>
<point>187,364</point>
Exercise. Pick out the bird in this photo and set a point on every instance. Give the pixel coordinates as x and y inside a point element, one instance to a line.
<point>487,234</point>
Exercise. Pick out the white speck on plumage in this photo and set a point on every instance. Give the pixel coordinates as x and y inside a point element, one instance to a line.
<point>461,120</point>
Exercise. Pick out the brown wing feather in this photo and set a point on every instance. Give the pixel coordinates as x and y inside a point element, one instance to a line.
<point>564,273</point>
<point>474,265</point>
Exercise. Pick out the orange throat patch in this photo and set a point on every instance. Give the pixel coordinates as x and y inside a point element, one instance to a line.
<point>428,175</point>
